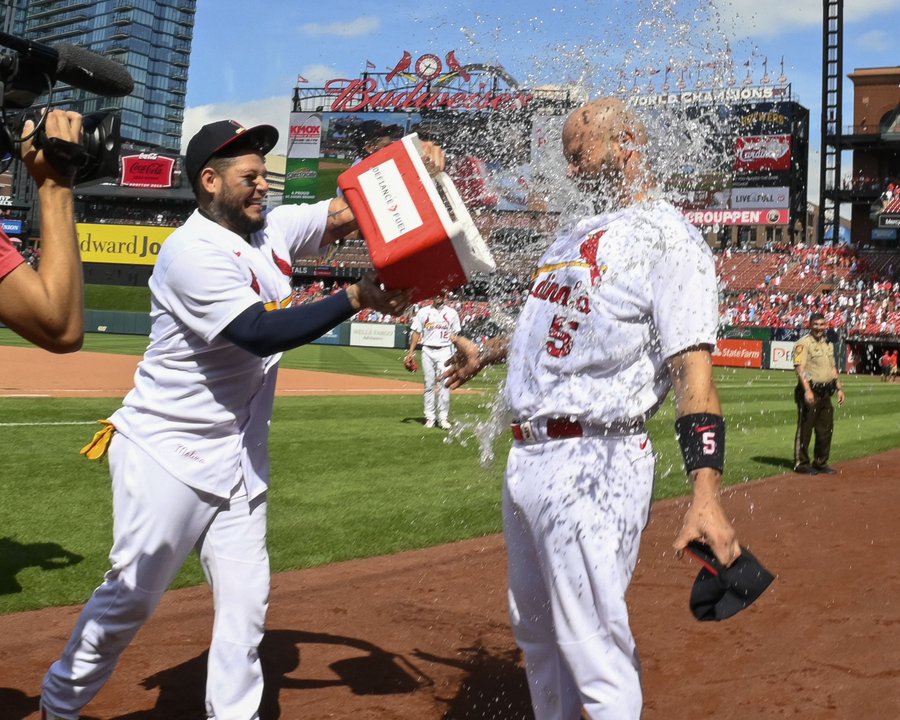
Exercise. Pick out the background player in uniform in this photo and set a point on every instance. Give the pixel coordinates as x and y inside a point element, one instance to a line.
<point>189,448</point>
<point>46,306</point>
<point>437,327</point>
<point>817,381</point>
<point>622,306</point>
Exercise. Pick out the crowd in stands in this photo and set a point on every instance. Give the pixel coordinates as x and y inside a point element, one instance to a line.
<point>857,292</point>
<point>775,286</point>
<point>122,214</point>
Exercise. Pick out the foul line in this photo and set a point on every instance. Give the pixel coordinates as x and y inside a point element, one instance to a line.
<point>28,424</point>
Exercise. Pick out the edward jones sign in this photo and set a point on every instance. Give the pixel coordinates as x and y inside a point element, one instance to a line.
<point>738,353</point>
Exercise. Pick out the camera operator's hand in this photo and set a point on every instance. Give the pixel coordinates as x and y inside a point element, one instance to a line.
<point>62,124</point>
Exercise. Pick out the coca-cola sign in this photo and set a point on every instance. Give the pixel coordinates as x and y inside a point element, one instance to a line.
<point>147,170</point>
<point>762,153</point>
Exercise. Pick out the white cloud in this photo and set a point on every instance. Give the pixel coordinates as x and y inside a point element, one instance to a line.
<point>318,74</point>
<point>358,27</point>
<point>270,111</point>
<point>770,18</point>
<point>875,40</point>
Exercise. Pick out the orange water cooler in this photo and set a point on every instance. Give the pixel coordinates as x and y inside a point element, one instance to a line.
<point>418,231</point>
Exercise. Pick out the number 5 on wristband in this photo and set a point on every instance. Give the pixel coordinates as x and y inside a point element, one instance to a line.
<point>702,440</point>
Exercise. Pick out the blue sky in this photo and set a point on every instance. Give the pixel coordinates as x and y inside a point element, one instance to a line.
<point>245,62</point>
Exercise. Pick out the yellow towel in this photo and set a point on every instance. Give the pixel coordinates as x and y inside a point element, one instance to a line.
<point>98,446</point>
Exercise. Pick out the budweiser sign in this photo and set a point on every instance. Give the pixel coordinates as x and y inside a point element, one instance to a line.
<point>761,153</point>
<point>147,170</point>
<point>359,95</point>
<point>427,89</point>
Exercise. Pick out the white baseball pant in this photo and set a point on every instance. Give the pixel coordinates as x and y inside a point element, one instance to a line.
<point>573,514</point>
<point>158,520</point>
<point>437,395</point>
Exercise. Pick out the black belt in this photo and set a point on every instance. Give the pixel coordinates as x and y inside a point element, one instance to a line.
<point>559,428</point>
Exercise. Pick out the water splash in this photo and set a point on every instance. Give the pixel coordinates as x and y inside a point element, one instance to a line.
<point>636,51</point>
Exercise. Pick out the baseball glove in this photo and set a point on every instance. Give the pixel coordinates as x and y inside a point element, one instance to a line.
<point>409,362</point>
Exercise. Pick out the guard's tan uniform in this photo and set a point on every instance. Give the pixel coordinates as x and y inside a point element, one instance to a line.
<point>817,358</point>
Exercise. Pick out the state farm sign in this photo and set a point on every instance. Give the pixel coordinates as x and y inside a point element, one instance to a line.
<point>762,153</point>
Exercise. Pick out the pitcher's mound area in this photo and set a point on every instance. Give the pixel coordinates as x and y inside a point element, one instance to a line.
<point>425,636</point>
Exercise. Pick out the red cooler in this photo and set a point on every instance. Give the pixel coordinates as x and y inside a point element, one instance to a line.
<point>419,233</point>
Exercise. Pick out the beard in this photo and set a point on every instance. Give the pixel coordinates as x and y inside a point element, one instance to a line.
<point>229,211</point>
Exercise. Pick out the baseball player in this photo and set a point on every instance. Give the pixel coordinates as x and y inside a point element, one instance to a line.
<point>817,380</point>
<point>437,327</point>
<point>622,307</point>
<point>188,450</point>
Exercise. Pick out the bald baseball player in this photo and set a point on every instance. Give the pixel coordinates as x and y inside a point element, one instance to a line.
<point>621,309</point>
<point>188,450</point>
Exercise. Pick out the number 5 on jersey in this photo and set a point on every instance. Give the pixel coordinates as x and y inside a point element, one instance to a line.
<point>561,340</point>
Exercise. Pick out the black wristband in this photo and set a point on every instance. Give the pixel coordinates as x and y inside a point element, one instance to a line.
<point>702,440</point>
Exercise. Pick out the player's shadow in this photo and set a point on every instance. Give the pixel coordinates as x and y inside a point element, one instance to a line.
<point>373,671</point>
<point>418,420</point>
<point>495,686</point>
<point>16,556</point>
<point>779,462</point>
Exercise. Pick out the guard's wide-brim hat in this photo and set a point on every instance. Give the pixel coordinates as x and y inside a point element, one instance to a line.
<point>720,592</point>
<point>225,136</point>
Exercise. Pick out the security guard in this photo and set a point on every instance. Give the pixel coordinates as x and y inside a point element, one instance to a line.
<point>818,380</point>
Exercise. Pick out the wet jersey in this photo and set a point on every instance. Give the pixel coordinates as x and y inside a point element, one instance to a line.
<point>611,300</point>
<point>200,404</point>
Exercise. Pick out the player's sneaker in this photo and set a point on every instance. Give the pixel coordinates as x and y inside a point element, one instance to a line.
<point>444,424</point>
<point>429,423</point>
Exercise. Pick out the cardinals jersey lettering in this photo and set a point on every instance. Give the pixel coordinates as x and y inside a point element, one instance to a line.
<point>611,300</point>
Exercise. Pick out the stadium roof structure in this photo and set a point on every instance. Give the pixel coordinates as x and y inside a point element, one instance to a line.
<point>116,191</point>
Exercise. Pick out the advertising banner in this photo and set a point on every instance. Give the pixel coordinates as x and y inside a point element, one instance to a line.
<point>11,227</point>
<point>372,335</point>
<point>738,353</point>
<point>781,355</point>
<point>702,218</point>
<point>301,169</point>
<point>762,153</point>
<point>147,170</point>
<point>760,197</point>
<point>120,244</point>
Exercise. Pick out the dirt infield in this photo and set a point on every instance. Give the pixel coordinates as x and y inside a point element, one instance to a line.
<point>424,635</point>
<point>28,372</point>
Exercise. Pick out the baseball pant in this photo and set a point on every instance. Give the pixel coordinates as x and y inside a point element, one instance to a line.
<point>437,395</point>
<point>158,520</point>
<point>818,418</point>
<point>573,514</point>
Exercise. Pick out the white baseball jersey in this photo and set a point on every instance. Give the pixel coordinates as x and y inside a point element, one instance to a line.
<point>436,325</point>
<point>200,404</point>
<point>611,300</point>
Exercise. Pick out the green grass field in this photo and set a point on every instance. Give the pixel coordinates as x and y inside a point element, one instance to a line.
<point>352,477</point>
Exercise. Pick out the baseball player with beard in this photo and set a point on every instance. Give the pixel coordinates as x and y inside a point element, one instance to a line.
<point>621,309</point>
<point>437,327</point>
<point>188,450</point>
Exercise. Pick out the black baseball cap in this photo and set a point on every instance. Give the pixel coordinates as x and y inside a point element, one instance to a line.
<point>213,139</point>
<point>719,592</point>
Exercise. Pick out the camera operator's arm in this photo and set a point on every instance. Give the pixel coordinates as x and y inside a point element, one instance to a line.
<point>46,306</point>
